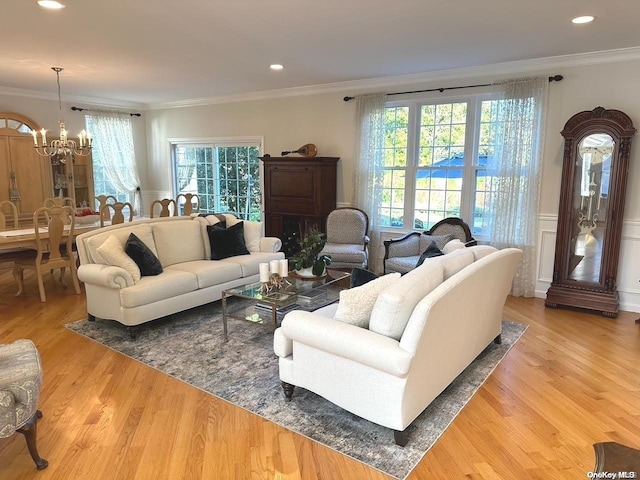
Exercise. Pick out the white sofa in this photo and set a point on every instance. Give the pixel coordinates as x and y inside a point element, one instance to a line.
<point>189,278</point>
<point>425,329</point>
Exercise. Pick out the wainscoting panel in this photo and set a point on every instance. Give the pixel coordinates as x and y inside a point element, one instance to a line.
<point>628,270</point>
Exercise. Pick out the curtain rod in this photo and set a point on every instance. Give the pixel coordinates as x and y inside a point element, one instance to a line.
<point>79,109</point>
<point>554,78</point>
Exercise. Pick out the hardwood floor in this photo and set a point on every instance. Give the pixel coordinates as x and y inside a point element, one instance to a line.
<point>571,381</point>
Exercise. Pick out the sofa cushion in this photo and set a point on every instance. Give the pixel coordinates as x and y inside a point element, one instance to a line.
<point>147,262</point>
<point>456,261</point>
<point>431,251</point>
<point>481,251</point>
<point>250,264</point>
<point>209,273</point>
<point>395,303</point>
<point>143,232</point>
<point>227,242</point>
<point>178,241</point>
<point>170,283</point>
<point>356,303</point>
<point>454,244</point>
<point>112,251</point>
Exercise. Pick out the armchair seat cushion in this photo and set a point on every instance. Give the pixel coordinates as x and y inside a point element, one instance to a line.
<point>345,253</point>
<point>20,381</point>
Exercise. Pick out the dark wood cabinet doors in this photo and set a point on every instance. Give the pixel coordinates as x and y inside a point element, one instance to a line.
<point>594,178</point>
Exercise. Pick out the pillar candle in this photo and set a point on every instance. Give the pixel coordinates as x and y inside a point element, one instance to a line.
<point>264,272</point>
<point>284,268</point>
<point>274,266</point>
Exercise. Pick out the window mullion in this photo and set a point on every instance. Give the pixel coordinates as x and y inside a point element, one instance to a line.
<point>413,138</point>
<point>470,155</point>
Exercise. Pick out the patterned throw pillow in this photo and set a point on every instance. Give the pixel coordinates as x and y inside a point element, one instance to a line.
<point>440,241</point>
<point>357,303</point>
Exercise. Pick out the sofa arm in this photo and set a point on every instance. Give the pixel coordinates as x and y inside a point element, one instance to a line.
<point>105,275</point>
<point>348,341</point>
<point>270,244</point>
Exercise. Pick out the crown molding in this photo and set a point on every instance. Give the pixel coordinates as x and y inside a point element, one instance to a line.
<point>494,70</point>
<point>93,101</point>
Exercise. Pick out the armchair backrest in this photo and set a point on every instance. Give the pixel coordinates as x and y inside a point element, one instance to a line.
<point>457,227</point>
<point>347,225</point>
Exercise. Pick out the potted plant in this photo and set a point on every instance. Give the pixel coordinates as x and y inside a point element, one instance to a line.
<point>308,262</point>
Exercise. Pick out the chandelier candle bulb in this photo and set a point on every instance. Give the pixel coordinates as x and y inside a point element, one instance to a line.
<point>35,137</point>
<point>43,133</point>
<point>284,268</point>
<point>264,272</point>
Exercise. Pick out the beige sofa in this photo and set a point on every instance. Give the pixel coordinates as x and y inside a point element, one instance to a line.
<point>188,279</point>
<point>425,328</point>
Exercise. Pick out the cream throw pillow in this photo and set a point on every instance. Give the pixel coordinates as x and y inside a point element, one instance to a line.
<point>112,250</point>
<point>357,303</point>
<point>252,233</point>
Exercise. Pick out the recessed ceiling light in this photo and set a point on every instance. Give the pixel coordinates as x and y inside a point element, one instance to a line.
<point>52,4</point>
<point>276,66</point>
<point>583,19</point>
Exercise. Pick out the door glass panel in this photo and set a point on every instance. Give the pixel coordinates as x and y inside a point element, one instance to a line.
<point>590,201</point>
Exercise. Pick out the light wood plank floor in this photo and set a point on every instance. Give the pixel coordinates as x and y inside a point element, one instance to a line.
<point>572,380</point>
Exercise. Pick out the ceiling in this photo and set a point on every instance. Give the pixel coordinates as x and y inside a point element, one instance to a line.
<point>147,52</point>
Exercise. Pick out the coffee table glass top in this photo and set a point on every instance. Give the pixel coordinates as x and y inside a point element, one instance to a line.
<point>289,293</point>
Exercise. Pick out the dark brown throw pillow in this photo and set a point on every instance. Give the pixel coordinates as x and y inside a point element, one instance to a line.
<point>431,251</point>
<point>226,242</point>
<point>147,262</point>
<point>360,276</point>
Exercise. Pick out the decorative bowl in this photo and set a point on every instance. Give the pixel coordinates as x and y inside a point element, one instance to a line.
<point>87,219</point>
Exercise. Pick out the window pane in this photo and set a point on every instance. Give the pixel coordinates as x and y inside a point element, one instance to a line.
<point>226,179</point>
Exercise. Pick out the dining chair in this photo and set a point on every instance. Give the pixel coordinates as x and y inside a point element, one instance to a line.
<point>190,205</point>
<point>9,219</point>
<point>118,214</point>
<point>102,201</point>
<point>8,215</point>
<point>62,201</point>
<point>53,252</point>
<point>167,207</point>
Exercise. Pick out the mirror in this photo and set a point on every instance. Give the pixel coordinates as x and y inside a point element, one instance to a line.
<point>591,192</point>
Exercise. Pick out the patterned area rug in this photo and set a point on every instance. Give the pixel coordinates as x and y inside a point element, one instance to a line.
<point>244,371</point>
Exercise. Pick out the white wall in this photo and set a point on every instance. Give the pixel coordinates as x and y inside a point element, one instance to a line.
<point>327,121</point>
<point>46,113</point>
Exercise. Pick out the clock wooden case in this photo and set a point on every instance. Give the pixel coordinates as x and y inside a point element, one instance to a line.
<point>594,178</point>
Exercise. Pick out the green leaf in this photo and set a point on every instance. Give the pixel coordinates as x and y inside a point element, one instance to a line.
<point>318,267</point>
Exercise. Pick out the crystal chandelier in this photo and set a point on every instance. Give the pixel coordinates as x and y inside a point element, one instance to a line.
<point>62,147</point>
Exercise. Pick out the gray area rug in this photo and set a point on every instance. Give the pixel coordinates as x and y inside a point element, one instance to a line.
<point>244,371</point>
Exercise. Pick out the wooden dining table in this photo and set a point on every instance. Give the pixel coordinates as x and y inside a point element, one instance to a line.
<point>26,237</point>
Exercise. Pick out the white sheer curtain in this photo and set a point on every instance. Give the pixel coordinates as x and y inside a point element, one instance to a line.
<point>113,148</point>
<point>515,170</point>
<point>367,186</point>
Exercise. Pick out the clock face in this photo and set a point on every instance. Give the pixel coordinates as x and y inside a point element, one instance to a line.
<point>596,148</point>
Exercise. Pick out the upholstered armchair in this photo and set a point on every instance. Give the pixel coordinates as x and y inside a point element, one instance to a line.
<point>20,381</point>
<point>347,240</point>
<point>402,254</point>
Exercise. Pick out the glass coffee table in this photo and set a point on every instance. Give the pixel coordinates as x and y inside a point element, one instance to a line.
<point>257,306</point>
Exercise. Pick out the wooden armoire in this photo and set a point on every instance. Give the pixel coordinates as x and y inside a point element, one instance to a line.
<point>299,193</point>
<point>27,178</point>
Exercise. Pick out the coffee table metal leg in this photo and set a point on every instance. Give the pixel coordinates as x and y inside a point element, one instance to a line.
<point>274,316</point>
<point>224,316</point>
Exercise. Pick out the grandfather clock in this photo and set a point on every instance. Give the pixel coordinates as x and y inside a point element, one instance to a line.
<point>594,179</point>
